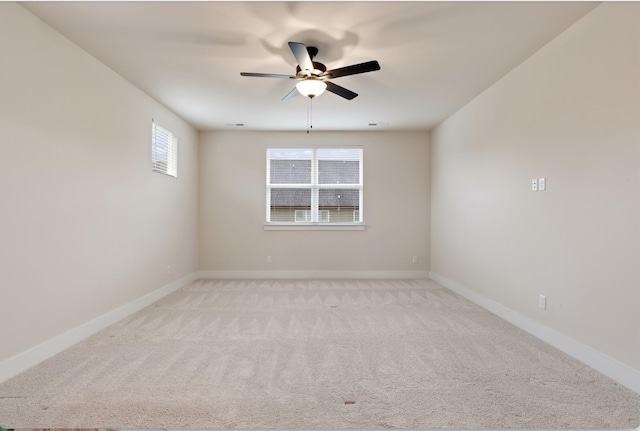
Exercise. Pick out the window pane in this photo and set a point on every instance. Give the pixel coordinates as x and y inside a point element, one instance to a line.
<point>286,202</point>
<point>339,165</point>
<point>290,172</point>
<point>290,166</point>
<point>338,172</point>
<point>340,204</point>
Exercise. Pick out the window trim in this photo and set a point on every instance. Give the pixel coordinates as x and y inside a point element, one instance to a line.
<point>315,225</point>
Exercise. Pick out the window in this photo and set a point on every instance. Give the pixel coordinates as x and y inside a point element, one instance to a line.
<point>314,185</point>
<point>305,216</point>
<point>164,151</point>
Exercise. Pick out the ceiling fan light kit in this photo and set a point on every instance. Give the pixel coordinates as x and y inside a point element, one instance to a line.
<point>311,88</point>
<point>314,77</point>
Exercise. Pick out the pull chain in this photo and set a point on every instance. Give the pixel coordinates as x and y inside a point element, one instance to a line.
<point>308,110</point>
<point>310,115</point>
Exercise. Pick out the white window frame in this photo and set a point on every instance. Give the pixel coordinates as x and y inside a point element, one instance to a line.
<point>170,156</point>
<point>314,223</point>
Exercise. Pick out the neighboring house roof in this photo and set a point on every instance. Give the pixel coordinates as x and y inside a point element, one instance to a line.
<point>299,172</point>
<point>326,198</point>
<point>290,171</point>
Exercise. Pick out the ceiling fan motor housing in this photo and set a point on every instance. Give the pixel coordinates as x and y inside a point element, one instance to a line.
<point>318,69</point>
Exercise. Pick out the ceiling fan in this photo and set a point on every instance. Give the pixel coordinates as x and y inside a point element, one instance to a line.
<point>314,77</point>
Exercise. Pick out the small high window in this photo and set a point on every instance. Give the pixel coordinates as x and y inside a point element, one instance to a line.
<point>164,151</point>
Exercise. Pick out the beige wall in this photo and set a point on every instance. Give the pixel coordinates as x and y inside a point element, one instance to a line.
<point>571,113</point>
<point>232,206</point>
<point>85,226</point>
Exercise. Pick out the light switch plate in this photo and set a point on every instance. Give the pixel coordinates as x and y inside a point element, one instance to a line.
<point>542,302</point>
<point>542,184</point>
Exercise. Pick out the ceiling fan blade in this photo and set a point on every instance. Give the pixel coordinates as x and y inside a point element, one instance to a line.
<point>268,75</point>
<point>369,66</point>
<point>291,95</point>
<point>302,55</point>
<point>341,91</point>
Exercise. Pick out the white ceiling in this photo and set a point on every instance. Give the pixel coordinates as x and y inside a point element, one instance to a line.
<point>435,56</point>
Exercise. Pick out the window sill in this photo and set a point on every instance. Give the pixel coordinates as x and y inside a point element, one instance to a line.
<point>314,226</point>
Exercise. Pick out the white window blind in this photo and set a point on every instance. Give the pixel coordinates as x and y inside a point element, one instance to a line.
<point>314,185</point>
<point>164,151</point>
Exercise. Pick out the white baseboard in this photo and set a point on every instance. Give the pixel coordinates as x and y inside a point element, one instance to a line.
<point>312,274</point>
<point>611,368</point>
<point>33,356</point>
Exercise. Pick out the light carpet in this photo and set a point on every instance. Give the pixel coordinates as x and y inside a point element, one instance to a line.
<point>314,354</point>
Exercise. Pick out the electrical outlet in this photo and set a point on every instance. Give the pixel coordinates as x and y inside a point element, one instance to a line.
<point>534,185</point>
<point>542,302</point>
<point>168,269</point>
<point>414,259</point>
<point>542,184</point>
<point>268,259</point>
